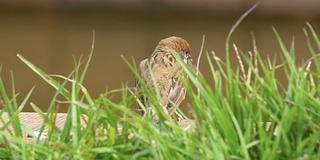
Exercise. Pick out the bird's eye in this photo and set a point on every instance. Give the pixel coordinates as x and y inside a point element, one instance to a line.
<point>186,54</point>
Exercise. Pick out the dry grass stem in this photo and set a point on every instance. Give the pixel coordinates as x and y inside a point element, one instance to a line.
<point>244,76</point>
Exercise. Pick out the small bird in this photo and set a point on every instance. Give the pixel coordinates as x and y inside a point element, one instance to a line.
<point>163,70</point>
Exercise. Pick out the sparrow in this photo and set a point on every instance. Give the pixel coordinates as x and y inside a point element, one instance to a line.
<point>162,70</point>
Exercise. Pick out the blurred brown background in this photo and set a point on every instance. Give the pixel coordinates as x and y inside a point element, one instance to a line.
<point>50,33</point>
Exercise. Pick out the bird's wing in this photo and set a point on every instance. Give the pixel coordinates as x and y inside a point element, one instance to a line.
<point>176,95</point>
<point>141,69</point>
<point>143,66</point>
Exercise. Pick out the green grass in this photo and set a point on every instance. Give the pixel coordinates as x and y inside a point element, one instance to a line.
<point>229,118</point>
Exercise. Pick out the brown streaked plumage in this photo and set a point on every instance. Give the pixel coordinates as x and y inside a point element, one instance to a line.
<point>165,70</point>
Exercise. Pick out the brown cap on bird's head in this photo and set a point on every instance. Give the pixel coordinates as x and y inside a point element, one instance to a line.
<point>177,43</point>
<point>180,45</point>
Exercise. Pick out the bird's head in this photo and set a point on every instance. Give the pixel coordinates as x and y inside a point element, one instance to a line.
<point>178,44</point>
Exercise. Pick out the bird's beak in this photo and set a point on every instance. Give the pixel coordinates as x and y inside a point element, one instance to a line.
<point>188,61</point>
<point>185,60</point>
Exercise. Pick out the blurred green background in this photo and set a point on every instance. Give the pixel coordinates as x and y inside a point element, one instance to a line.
<point>51,33</point>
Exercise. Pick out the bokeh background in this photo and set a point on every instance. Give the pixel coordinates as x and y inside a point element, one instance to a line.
<point>52,33</point>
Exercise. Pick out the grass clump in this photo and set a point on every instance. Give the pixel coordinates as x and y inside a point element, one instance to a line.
<point>247,114</point>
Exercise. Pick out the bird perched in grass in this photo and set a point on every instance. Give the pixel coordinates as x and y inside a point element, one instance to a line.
<point>162,71</point>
